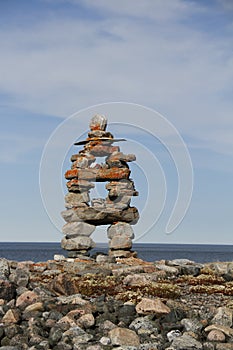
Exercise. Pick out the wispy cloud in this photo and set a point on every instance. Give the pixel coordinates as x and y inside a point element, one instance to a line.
<point>153,54</point>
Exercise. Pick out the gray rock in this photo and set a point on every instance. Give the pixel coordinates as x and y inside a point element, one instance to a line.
<point>121,228</point>
<point>74,229</point>
<point>192,325</point>
<point>76,335</point>
<point>186,342</point>
<point>77,243</point>
<point>4,267</point>
<point>74,199</point>
<point>223,317</point>
<point>143,325</point>
<point>120,242</point>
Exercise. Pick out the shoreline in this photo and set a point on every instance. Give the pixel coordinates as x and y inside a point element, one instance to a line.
<point>123,303</point>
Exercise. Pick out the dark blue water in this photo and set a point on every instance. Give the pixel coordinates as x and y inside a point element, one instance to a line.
<point>149,252</point>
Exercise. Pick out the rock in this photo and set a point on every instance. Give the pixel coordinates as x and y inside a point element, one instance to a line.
<point>143,325</point>
<point>86,321</point>
<point>77,243</point>
<point>81,162</point>
<point>105,340</point>
<point>140,279</point>
<point>98,122</point>
<point>224,346</point>
<point>92,174</point>
<point>226,330</point>
<point>7,290</point>
<point>74,199</point>
<point>223,317</point>
<point>74,229</point>
<point>192,325</point>
<point>34,307</point>
<point>186,342</point>
<point>173,334</point>
<point>27,298</point>
<point>216,336</point>
<point>76,335</point>
<point>122,229</point>
<point>76,185</point>
<point>59,257</point>
<point>4,268</point>
<point>123,336</point>
<point>11,316</point>
<point>152,306</point>
<point>120,242</point>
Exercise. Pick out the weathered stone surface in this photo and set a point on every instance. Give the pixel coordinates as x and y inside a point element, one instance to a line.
<point>76,185</point>
<point>27,298</point>
<point>140,279</point>
<point>4,267</point>
<point>123,336</point>
<point>223,317</point>
<point>12,316</point>
<point>226,330</point>
<point>143,325</point>
<point>152,306</point>
<point>224,346</point>
<point>120,203</point>
<point>99,134</point>
<point>86,321</point>
<point>105,217</point>
<point>191,325</point>
<point>7,290</point>
<point>120,241</point>
<point>98,122</point>
<point>216,336</point>
<point>119,159</point>
<point>82,154</point>
<point>81,162</point>
<point>101,150</point>
<point>186,342</point>
<point>74,199</point>
<point>76,335</point>
<point>120,228</point>
<point>74,229</point>
<point>101,174</point>
<point>78,243</point>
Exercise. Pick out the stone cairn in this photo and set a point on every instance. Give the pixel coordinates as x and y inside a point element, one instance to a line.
<point>82,215</point>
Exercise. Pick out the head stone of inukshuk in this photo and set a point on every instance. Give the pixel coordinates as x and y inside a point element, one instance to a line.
<point>82,215</point>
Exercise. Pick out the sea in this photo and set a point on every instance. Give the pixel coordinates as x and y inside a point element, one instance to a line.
<point>42,251</point>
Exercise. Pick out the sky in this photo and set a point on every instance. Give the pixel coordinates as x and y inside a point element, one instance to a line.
<point>124,59</point>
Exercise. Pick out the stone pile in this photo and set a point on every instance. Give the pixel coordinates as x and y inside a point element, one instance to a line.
<point>82,214</point>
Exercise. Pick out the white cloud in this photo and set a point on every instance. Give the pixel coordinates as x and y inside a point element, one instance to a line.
<point>145,53</point>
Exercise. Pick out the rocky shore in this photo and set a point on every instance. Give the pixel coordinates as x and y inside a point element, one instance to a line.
<point>104,303</point>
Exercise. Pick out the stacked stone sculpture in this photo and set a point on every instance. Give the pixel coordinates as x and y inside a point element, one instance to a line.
<point>82,215</point>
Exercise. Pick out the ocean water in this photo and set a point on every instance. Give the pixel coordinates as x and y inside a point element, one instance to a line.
<point>150,252</point>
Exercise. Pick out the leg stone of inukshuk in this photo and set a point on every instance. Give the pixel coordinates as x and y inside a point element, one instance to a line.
<point>80,215</point>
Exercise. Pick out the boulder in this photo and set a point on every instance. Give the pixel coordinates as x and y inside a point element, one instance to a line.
<point>123,337</point>
<point>77,243</point>
<point>152,306</point>
<point>120,228</point>
<point>74,199</point>
<point>186,342</point>
<point>120,242</point>
<point>74,229</point>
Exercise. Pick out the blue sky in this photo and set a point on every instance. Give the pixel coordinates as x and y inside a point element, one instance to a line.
<point>173,56</point>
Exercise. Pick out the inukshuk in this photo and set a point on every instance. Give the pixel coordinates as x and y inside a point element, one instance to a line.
<point>82,214</point>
